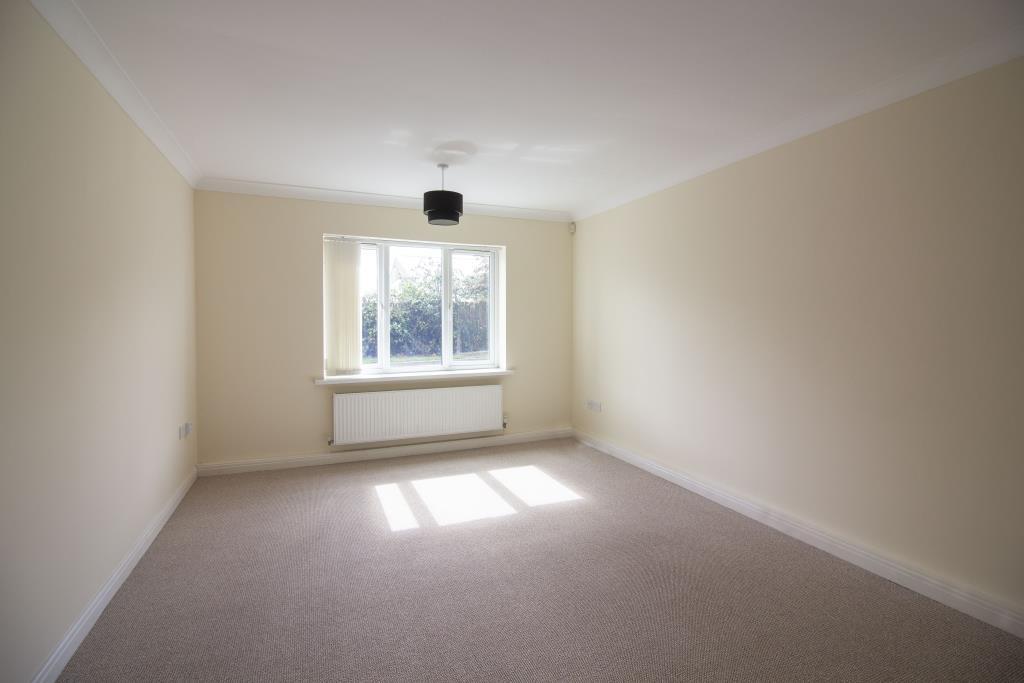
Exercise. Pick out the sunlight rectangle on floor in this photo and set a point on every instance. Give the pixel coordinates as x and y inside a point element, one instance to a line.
<point>460,498</point>
<point>533,486</point>
<point>396,509</point>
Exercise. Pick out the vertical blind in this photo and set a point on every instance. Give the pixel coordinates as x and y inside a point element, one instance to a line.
<point>342,333</point>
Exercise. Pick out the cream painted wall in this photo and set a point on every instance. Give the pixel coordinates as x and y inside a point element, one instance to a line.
<point>97,351</point>
<point>260,318</point>
<point>835,329</point>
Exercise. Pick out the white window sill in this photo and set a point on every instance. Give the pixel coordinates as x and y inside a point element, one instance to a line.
<point>430,375</point>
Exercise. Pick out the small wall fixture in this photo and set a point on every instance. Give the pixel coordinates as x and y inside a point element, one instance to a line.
<point>442,207</point>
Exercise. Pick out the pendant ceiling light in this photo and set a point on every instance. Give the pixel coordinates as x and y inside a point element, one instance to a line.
<point>442,206</point>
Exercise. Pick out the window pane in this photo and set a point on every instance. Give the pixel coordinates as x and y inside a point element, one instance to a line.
<point>416,305</point>
<point>471,314</point>
<point>368,299</point>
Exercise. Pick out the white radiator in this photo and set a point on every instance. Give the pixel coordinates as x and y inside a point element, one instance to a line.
<point>391,415</point>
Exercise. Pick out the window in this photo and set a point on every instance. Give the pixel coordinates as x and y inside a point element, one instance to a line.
<point>393,306</point>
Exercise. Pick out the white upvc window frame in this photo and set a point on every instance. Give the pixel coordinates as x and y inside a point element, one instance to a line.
<point>496,317</point>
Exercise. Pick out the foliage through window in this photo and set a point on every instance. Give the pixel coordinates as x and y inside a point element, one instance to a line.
<point>427,306</point>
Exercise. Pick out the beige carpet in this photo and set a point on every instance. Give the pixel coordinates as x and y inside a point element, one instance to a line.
<point>296,575</point>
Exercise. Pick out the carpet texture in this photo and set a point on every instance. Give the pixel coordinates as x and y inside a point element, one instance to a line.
<point>296,575</point>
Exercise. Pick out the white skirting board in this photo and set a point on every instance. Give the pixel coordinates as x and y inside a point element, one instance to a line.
<point>288,461</point>
<point>978,606</point>
<point>62,653</point>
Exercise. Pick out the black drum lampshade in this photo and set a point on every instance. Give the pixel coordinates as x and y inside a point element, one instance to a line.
<point>442,207</point>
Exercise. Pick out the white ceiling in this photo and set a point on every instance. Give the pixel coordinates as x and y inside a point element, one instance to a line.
<point>572,106</point>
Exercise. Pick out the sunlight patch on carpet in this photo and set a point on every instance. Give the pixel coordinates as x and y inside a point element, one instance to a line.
<point>396,509</point>
<point>460,498</point>
<point>533,486</point>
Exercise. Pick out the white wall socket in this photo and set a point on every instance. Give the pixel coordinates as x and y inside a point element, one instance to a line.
<point>184,430</point>
<point>594,406</point>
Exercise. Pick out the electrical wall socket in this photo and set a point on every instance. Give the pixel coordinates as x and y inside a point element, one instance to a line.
<point>184,430</point>
<point>594,406</point>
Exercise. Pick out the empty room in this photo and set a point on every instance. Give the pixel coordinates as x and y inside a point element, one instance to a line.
<point>511,341</point>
